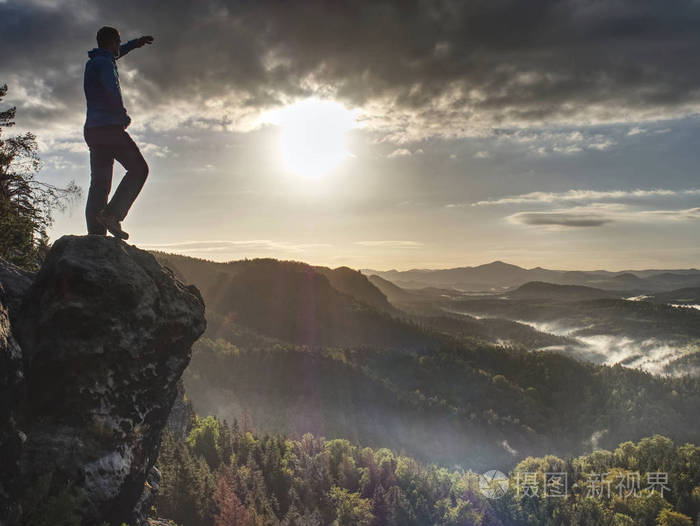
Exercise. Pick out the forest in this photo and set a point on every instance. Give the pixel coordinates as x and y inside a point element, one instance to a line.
<point>455,405</point>
<point>223,474</point>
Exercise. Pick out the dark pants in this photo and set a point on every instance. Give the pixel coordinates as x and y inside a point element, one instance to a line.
<point>107,143</point>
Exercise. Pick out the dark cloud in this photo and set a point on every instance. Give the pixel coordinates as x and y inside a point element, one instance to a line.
<point>559,219</point>
<point>451,65</point>
<point>600,214</point>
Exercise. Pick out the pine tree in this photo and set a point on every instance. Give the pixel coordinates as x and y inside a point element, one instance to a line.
<point>26,204</point>
<point>380,509</point>
<point>225,443</point>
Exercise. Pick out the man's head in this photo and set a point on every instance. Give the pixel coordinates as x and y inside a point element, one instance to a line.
<point>108,38</point>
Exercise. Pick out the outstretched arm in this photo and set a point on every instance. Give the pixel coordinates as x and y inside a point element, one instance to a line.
<point>131,44</point>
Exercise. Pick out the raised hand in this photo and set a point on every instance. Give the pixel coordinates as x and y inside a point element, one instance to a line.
<point>144,40</point>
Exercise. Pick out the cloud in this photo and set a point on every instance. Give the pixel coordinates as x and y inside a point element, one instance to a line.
<point>599,214</point>
<point>543,142</point>
<point>390,244</point>
<point>602,145</point>
<point>673,215</point>
<point>60,163</point>
<point>584,195</point>
<point>573,219</point>
<point>67,145</point>
<point>187,247</point>
<point>154,149</point>
<point>568,150</point>
<point>417,69</point>
<point>401,152</point>
<point>405,152</point>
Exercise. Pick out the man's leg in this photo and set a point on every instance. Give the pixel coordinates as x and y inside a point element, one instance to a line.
<point>129,156</point>
<point>101,164</point>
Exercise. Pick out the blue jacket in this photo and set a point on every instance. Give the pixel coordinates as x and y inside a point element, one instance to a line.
<point>102,92</point>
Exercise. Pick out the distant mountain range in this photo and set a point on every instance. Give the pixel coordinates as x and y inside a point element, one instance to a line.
<point>446,376</point>
<point>542,290</point>
<point>689,296</point>
<point>499,276</point>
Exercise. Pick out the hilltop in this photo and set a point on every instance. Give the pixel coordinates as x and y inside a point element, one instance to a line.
<point>499,276</point>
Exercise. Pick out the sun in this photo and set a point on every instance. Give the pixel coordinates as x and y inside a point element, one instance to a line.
<point>313,136</point>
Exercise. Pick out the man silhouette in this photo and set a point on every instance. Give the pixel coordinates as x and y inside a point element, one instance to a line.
<point>106,136</point>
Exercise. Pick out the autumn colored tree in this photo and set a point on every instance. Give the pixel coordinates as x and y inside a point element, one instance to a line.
<point>230,511</point>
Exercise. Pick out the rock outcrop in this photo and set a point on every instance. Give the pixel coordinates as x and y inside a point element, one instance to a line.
<point>13,284</point>
<point>92,350</point>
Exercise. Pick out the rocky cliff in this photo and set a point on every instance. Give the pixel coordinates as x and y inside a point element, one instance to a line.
<point>91,351</point>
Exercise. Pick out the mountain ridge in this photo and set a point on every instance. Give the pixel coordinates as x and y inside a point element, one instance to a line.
<point>503,263</point>
<point>499,276</point>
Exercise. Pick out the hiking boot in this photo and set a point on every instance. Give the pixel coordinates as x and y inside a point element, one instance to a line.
<point>111,224</point>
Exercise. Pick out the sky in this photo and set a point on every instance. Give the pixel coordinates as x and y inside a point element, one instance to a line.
<point>384,134</point>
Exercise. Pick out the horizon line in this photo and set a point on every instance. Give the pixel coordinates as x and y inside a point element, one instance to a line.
<point>419,269</point>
